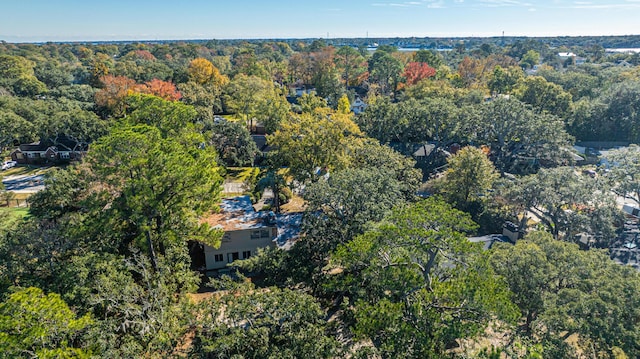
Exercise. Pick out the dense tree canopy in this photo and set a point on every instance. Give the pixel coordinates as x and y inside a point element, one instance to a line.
<point>420,283</point>
<point>33,324</point>
<point>315,143</point>
<point>521,140</point>
<point>263,323</point>
<point>567,203</point>
<point>562,291</point>
<point>99,263</point>
<point>624,171</point>
<point>232,142</point>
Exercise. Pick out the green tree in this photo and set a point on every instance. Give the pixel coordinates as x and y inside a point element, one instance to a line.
<point>545,96</point>
<point>273,109</point>
<point>278,184</point>
<point>346,204</point>
<point>34,324</point>
<point>310,102</point>
<point>262,323</point>
<point>157,187</point>
<point>428,57</point>
<point>325,76</point>
<point>468,179</point>
<point>317,143</point>
<point>385,70</point>
<point>503,81</point>
<point>351,62</point>
<point>29,86</point>
<point>372,154</point>
<point>246,94</point>
<point>172,119</point>
<point>14,67</point>
<point>436,120</point>
<point>83,94</point>
<point>624,171</point>
<point>567,203</point>
<point>519,138</point>
<point>619,120</point>
<point>143,312</point>
<point>530,59</point>
<point>233,142</point>
<point>417,284</point>
<point>13,128</point>
<point>562,291</point>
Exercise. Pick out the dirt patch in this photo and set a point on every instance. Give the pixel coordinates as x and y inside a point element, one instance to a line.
<point>295,205</point>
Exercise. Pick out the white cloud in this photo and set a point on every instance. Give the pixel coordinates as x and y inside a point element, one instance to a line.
<point>499,3</point>
<point>599,4</point>
<point>432,4</point>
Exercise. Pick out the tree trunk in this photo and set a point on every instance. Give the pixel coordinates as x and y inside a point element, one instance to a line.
<point>152,251</point>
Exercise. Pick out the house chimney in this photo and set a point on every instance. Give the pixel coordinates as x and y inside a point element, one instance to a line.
<point>511,231</point>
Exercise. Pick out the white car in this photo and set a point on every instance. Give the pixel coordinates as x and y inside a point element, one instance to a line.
<point>8,164</point>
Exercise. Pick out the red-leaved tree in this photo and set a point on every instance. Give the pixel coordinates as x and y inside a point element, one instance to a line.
<point>416,71</point>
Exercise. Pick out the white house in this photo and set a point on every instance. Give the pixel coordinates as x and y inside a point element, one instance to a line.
<point>358,106</point>
<point>245,230</point>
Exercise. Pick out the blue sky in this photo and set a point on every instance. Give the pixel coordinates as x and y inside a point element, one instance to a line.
<point>71,20</point>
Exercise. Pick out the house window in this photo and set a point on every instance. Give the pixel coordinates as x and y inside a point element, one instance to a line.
<point>232,257</point>
<point>219,257</point>
<point>264,233</point>
<point>246,254</point>
<point>64,155</point>
<point>255,234</point>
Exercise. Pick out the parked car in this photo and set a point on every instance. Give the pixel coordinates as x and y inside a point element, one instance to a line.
<point>8,164</point>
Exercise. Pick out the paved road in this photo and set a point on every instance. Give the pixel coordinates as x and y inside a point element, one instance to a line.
<point>24,183</point>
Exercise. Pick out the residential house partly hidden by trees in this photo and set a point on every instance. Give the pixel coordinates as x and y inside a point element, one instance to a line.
<point>50,151</point>
<point>245,231</point>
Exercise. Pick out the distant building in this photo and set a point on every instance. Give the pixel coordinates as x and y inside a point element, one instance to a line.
<point>358,106</point>
<point>301,90</point>
<point>566,55</point>
<point>510,234</point>
<point>55,150</point>
<point>571,59</point>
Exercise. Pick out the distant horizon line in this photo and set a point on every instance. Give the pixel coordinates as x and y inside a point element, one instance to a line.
<point>83,41</point>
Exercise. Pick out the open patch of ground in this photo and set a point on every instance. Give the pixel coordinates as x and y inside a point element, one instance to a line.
<point>9,215</point>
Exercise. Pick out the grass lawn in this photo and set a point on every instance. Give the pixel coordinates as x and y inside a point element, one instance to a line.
<point>241,174</point>
<point>26,170</point>
<point>8,215</point>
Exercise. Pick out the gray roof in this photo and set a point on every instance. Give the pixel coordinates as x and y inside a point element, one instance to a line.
<point>424,150</point>
<point>289,227</point>
<point>489,240</point>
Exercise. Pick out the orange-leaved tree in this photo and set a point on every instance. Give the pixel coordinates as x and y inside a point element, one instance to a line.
<point>163,89</point>
<point>416,71</point>
<point>113,93</point>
